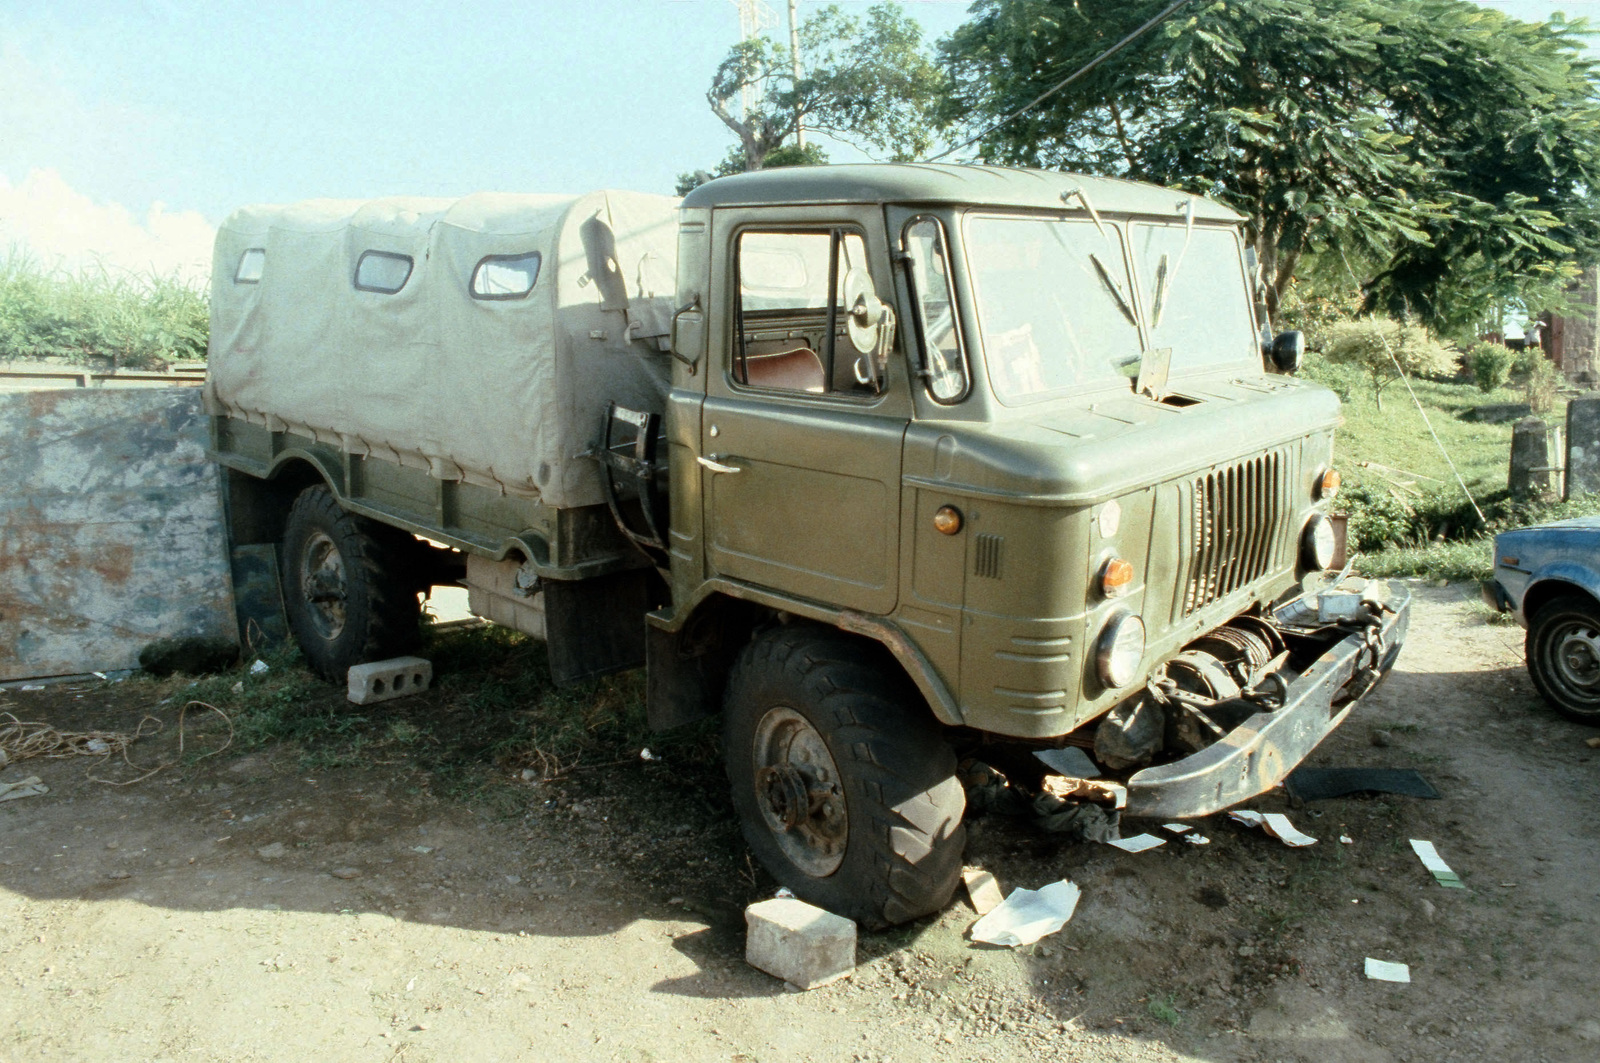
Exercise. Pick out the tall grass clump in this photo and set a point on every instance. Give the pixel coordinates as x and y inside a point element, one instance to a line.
<point>99,317</point>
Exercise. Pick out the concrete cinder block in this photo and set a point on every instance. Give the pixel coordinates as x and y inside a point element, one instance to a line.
<point>397,677</point>
<point>799,942</point>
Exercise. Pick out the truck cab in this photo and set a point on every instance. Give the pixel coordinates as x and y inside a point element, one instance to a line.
<point>1020,429</point>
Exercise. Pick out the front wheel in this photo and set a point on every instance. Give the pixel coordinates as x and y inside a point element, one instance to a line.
<point>845,788</point>
<point>1563,651</point>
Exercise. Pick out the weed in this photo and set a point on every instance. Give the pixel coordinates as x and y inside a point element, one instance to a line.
<point>1163,1008</point>
<point>136,322</point>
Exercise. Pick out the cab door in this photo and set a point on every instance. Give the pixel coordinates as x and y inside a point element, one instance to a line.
<point>800,452</point>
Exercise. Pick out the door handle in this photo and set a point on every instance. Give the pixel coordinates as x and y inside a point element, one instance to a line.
<point>714,465</point>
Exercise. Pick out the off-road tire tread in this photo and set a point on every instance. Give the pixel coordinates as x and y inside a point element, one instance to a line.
<point>381,603</point>
<point>903,858</point>
<point>1565,603</point>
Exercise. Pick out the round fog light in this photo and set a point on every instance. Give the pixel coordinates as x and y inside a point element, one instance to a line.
<point>1120,650</point>
<point>1316,544</point>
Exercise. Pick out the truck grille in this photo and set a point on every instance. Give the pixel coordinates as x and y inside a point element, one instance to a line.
<point>1233,526</point>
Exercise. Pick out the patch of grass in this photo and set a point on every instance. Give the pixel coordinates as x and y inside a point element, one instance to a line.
<point>493,712</point>
<point>1455,561</point>
<point>1164,1009</point>
<point>134,321</point>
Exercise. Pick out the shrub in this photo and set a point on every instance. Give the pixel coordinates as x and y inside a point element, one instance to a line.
<point>1376,516</point>
<point>1542,383</point>
<point>1490,364</point>
<point>135,322</point>
<point>1378,345</point>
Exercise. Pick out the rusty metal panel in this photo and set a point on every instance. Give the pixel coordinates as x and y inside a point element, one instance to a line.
<point>111,531</point>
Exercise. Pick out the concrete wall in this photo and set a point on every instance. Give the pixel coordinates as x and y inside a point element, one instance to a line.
<point>111,531</point>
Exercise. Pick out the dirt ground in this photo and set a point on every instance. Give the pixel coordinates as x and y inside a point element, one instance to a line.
<point>249,907</point>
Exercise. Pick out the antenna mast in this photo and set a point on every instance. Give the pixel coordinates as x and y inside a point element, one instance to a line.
<point>755,18</point>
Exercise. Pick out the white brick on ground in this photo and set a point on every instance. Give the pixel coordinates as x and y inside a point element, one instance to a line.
<point>799,942</point>
<point>398,677</point>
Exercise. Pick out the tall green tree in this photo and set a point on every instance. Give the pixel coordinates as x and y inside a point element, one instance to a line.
<point>1451,153</point>
<point>869,81</point>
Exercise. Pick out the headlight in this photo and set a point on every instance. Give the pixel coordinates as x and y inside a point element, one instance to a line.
<point>1316,543</point>
<point>1120,650</point>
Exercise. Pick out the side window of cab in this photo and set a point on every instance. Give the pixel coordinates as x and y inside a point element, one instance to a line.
<point>791,327</point>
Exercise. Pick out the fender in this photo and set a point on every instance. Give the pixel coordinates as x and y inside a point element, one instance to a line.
<point>941,701</point>
<point>1566,572</point>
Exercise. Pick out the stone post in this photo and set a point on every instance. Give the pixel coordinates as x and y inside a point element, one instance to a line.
<point>1583,445</point>
<point>1530,459</point>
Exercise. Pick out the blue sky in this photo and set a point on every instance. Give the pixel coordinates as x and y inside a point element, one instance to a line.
<point>164,115</point>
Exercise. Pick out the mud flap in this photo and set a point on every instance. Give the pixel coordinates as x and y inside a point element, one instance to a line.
<point>596,626</point>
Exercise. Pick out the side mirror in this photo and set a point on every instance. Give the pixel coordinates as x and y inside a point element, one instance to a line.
<point>1288,350</point>
<point>870,324</point>
<point>688,339</point>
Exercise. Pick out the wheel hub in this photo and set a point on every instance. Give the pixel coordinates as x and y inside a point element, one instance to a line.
<point>799,792</point>
<point>1578,657</point>
<point>322,584</point>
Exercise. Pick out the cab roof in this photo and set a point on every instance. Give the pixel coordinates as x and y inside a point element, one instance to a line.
<point>931,183</point>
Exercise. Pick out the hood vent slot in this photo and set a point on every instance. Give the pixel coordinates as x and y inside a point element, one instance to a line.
<point>988,556</point>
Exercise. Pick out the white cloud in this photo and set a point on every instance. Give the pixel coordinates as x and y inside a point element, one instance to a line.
<point>65,229</point>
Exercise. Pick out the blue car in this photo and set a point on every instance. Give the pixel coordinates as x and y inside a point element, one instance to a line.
<point>1549,577</point>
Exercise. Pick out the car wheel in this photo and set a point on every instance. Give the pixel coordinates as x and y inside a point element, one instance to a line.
<point>1564,656</point>
<point>346,591</point>
<point>845,787</point>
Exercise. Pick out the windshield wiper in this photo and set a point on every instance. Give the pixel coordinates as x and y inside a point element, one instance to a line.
<point>1123,302</point>
<point>1164,273</point>
<point>1083,197</point>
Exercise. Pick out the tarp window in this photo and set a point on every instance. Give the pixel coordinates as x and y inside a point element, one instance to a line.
<point>251,264</point>
<point>505,276</point>
<point>382,272</point>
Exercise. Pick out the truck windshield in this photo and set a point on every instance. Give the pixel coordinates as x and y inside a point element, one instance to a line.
<point>1195,295</point>
<point>1055,303</point>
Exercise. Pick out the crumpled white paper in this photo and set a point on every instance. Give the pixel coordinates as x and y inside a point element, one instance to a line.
<point>1028,915</point>
<point>1274,823</point>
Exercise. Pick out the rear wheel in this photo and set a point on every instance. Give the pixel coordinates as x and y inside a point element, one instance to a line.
<point>845,788</point>
<point>1563,649</point>
<point>347,591</point>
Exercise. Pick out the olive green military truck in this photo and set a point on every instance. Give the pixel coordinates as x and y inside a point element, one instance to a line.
<point>881,463</point>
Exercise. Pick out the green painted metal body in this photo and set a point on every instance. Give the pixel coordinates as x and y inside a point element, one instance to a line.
<point>831,512</point>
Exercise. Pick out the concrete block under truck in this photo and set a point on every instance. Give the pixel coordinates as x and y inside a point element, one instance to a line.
<point>878,462</point>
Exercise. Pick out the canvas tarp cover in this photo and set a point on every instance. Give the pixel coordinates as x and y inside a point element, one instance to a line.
<point>506,393</point>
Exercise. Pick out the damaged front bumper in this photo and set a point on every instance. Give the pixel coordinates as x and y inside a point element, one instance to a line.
<point>1257,754</point>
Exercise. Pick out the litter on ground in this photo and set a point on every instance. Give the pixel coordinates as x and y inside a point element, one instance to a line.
<point>982,889</point>
<point>1028,915</point>
<point>1275,824</point>
<point>32,786</point>
<point>1435,863</point>
<point>1320,784</point>
<point>1384,971</point>
<point>1068,760</point>
<point>1137,844</point>
<point>1177,828</point>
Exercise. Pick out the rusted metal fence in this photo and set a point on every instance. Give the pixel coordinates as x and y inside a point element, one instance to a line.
<point>111,530</point>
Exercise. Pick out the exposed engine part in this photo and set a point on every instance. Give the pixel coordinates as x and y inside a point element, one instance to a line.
<point>1218,681</point>
<point>1131,734</point>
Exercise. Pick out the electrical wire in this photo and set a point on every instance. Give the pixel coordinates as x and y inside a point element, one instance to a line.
<point>1165,14</point>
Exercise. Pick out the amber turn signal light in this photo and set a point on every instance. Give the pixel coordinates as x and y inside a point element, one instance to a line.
<point>1328,483</point>
<point>947,520</point>
<point>1116,578</point>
